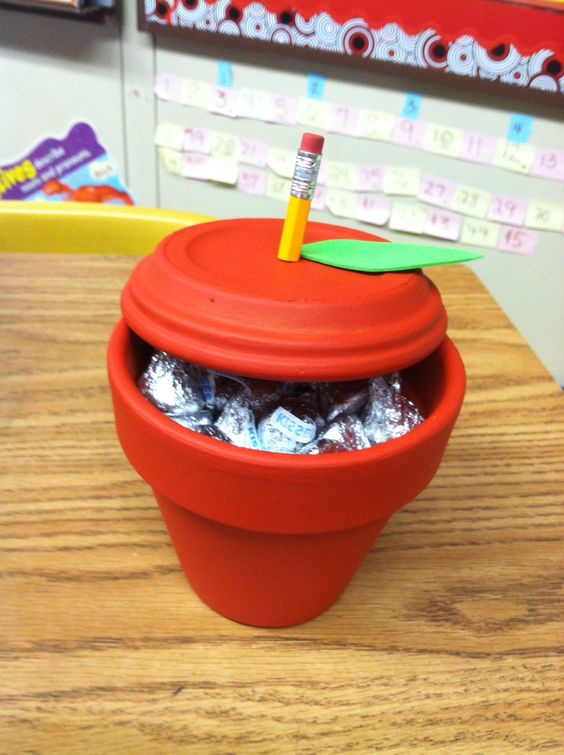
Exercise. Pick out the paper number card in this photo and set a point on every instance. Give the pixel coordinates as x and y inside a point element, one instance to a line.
<point>518,241</point>
<point>436,191</point>
<point>470,201</point>
<point>548,163</point>
<point>376,125</point>
<point>442,140</point>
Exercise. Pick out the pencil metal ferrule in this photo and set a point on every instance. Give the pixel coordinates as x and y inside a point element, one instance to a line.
<point>305,175</point>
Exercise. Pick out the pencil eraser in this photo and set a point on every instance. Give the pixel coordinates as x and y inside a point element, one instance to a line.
<point>312,143</point>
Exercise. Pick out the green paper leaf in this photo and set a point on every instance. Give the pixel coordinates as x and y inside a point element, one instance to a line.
<point>382,256</point>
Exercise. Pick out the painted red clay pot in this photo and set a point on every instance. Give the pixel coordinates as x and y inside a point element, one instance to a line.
<point>273,539</point>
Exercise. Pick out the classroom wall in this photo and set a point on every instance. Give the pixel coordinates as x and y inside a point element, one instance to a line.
<point>58,70</point>
<point>54,71</point>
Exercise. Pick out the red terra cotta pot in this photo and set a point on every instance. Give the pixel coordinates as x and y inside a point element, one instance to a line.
<point>273,539</point>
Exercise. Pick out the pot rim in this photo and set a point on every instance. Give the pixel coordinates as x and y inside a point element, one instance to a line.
<point>435,422</point>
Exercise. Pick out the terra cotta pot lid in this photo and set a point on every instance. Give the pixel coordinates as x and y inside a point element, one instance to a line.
<point>216,294</point>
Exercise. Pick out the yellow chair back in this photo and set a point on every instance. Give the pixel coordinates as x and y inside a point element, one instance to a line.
<point>85,228</point>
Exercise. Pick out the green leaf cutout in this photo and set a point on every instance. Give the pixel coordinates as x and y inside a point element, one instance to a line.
<point>382,256</point>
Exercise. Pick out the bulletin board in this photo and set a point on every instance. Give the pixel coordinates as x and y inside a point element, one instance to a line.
<point>513,43</point>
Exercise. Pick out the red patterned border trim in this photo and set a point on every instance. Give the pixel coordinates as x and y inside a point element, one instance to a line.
<point>463,56</point>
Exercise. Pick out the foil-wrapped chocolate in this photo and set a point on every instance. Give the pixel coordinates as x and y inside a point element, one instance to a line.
<point>201,418</point>
<point>343,398</point>
<point>221,388</point>
<point>172,385</point>
<point>212,432</point>
<point>347,429</point>
<point>409,416</point>
<point>307,418</point>
<point>344,433</point>
<point>208,387</point>
<point>324,446</point>
<point>290,425</point>
<point>262,393</point>
<point>237,422</point>
<point>389,413</point>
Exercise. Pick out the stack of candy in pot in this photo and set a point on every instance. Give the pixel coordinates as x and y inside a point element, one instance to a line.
<point>276,416</point>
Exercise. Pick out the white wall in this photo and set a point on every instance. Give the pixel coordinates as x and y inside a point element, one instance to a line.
<point>53,71</point>
<point>57,70</point>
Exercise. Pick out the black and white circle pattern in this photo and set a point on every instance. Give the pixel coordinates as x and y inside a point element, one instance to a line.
<point>153,11</point>
<point>355,38</point>
<point>258,23</point>
<point>424,50</point>
<point>190,16</point>
<point>282,35</point>
<point>545,82</point>
<point>320,31</point>
<point>460,57</point>
<point>388,45</point>
<point>492,66</point>
<point>463,56</point>
<point>229,27</point>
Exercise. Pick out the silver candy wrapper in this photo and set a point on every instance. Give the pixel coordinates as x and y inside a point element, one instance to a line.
<point>172,385</point>
<point>306,418</point>
<point>343,398</point>
<point>324,446</point>
<point>199,419</point>
<point>223,387</point>
<point>349,430</point>
<point>389,413</point>
<point>344,433</point>
<point>212,432</point>
<point>262,393</point>
<point>290,425</point>
<point>237,423</point>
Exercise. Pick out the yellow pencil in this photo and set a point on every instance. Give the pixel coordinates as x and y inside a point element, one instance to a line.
<point>301,192</point>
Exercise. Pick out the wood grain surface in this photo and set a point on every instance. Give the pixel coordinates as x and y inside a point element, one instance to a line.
<point>448,640</point>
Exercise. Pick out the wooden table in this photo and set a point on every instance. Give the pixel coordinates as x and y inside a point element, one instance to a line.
<point>446,641</point>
